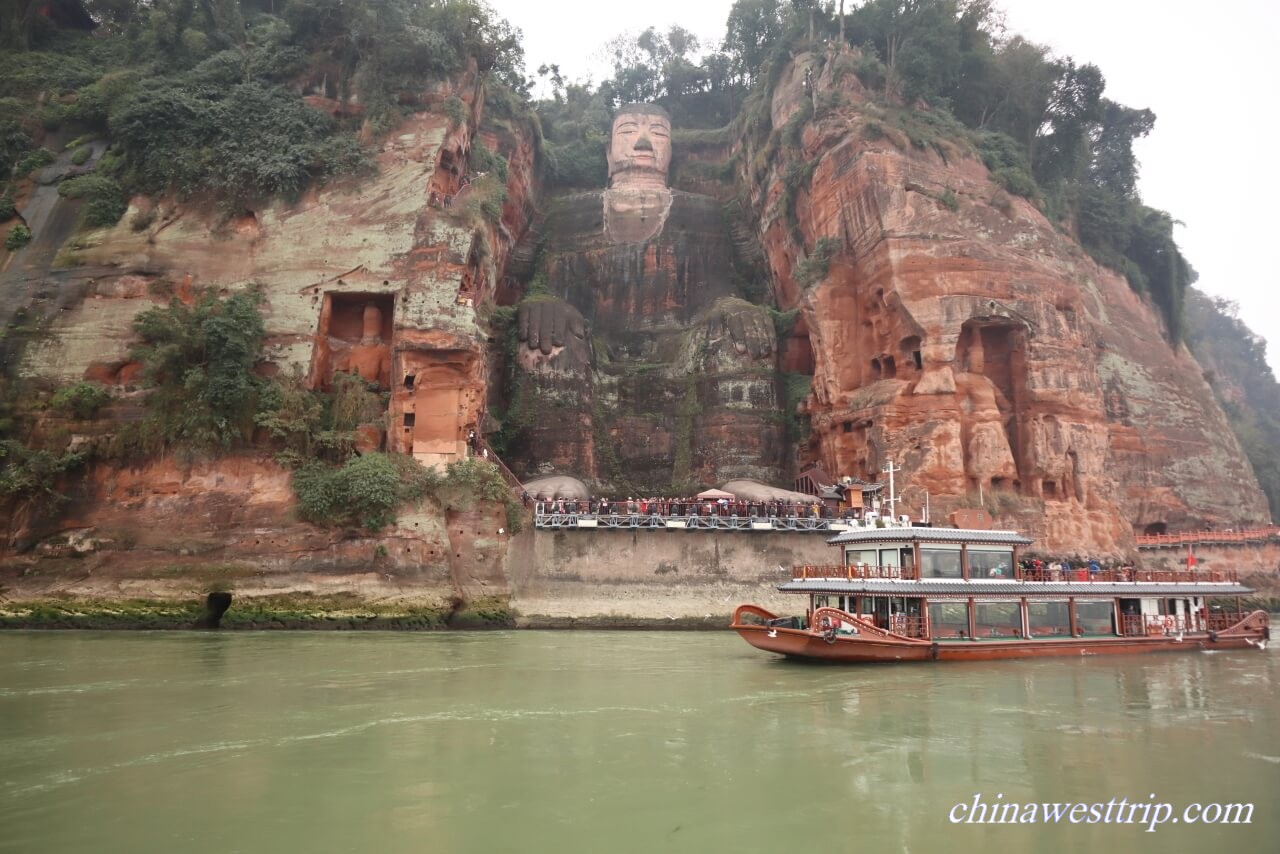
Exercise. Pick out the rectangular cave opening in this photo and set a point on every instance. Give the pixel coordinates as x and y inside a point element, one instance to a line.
<point>349,314</point>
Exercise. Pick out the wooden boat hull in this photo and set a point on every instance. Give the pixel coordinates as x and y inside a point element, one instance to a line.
<point>1250,632</point>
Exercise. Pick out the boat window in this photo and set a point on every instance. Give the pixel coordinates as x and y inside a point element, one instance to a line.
<point>990,564</point>
<point>997,620</point>
<point>949,619</point>
<point>939,563</point>
<point>1095,618</point>
<point>1048,619</point>
<point>861,556</point>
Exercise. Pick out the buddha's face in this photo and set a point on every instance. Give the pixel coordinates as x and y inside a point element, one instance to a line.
<point>639,149</point>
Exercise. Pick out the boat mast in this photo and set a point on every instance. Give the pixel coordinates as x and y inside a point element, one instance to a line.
<point>893,499</point>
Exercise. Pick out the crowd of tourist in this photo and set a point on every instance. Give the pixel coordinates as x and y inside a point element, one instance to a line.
<point>1067,569</point>
<point>684,507</point>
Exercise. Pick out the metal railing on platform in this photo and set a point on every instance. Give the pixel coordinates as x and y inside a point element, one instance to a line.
<point>1191,538</point>
<point>655,522</point>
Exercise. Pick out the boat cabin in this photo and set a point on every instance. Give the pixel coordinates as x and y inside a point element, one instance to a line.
<point>951,584</point>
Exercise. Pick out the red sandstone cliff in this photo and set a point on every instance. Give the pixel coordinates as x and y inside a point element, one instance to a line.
<point>958,333</point>
<point>373,251</point>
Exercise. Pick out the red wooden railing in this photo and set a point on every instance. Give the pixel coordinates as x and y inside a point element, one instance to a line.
<point>1130,574</point>
<point>1190,538</point>
<point>853,571</point>
<point>857,572</point>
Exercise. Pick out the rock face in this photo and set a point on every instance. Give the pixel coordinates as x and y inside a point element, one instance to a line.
<point>957,333</point>
<point>373,276</point>
<point>946,326</point>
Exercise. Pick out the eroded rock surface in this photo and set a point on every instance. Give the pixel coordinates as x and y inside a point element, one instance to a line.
<point>956,332</point>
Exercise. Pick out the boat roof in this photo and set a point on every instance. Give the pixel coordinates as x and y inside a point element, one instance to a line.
<point>911,534</point>
<point>1030,589</point>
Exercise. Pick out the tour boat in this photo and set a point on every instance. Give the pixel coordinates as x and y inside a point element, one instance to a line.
<point>909,593</point>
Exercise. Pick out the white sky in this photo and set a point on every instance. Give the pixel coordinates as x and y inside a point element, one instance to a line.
<point>1208,71</point>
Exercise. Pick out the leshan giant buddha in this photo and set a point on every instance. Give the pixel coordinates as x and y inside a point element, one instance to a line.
<point>640,368</point>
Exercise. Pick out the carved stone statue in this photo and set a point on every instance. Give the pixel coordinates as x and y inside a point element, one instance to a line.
<point>370,358</point>
<point>643,368</point>
<point>637,203</point>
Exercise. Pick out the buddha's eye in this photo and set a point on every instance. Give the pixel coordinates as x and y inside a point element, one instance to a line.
<point>659,130</point>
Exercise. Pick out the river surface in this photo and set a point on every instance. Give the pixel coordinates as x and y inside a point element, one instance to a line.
<point>608,742</point>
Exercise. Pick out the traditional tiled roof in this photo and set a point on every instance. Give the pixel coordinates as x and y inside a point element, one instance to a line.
<point>930,535</point>
<point>1030,589</point>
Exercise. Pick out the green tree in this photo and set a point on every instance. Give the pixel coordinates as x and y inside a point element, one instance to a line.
<point>199,361</point>
<point>752,30</point>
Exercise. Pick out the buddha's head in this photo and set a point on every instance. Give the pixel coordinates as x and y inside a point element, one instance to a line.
<point>640,147</point>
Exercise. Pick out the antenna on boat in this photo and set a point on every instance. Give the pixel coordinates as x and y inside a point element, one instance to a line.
<point>889,469</point>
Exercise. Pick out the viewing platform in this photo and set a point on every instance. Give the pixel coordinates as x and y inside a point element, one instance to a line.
<point>1196,538</point>
<point>657,522</point>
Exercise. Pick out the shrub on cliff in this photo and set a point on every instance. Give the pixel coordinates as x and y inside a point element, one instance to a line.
<point>199,361</point>
<point>82,400</point>
<point>33,474</point>
<point>18,237</point>
<point>104,198</point>
<point>240,144</point>
<point>312,425</point>
<point>365,491</point>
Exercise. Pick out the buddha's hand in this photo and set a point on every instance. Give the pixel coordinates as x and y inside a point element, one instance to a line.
<point>749,327</point>
<point>546,324</point>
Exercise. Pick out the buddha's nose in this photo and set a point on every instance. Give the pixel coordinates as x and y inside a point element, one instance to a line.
<point>643,143</point>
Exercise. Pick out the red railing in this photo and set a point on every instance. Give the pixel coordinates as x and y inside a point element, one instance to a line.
<point>854,572</point>
<point>858,572</point>
<point>1184,576</point>
<point>1190,538</point>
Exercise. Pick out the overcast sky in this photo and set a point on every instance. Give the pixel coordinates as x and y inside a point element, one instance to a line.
<point>1209,71</point>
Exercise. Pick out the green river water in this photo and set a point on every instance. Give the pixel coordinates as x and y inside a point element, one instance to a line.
<point>608,742</point>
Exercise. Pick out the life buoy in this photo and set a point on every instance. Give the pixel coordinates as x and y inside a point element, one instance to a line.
<point>829,635</point>
<point>1168,622</point>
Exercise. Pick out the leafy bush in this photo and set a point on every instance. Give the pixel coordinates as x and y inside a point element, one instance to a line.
<point>105,201</point>
<point>199,360</point>
<point>813,268</point>
<point>483,160</point>
<point>7,208</point>
<point>241,144</point>
<point>18,237</point>
<point>949,200</point>
<point>33,474</point>
<point>579,163</point>
<point>14,141</point>
<point>81,155</point>
<point>82,400</point>
<point>366,490</point>
<point>33,160</point>
<point>455,110</point>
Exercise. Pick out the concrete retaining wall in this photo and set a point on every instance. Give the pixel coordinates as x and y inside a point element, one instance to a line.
<point>656,574</point>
